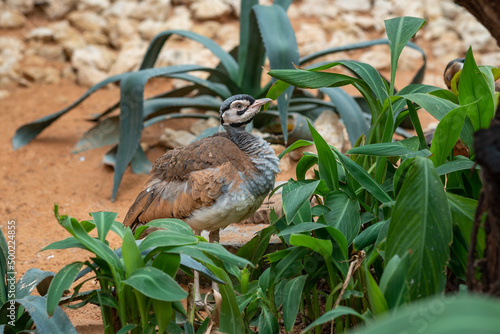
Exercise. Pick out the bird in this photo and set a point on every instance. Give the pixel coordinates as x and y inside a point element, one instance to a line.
<point>452,68</point>
<point>212,182</point>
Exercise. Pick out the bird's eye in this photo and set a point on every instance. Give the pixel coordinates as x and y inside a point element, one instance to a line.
<point>238,105</point>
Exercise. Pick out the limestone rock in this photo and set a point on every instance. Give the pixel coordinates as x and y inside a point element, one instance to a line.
<point>121,8</point>
<point>378,56</point>
<point>179,19</point>
<point>68,37</point>
<point>24,6</point>
<point>45,75</point>
<point>96,6</point>
<point>350,5</point>
<point>311,38</point>
<point>330,128</point>
<point>86,20</point>
<point>176,138</point>
<point>129,58</point>
<point>157,10</point>
<point>148,29</point>
<point>11,19</point>
<point>96,37</point>
<point>209,29</point>
<point>49,51</point>
<point>56,9</point>
<point>43,34</point>
<point>95,56</point>
<point>11,53</point>
<point>89,76</point>
<point>121,31</point>
<point>210,9</point>
<point>202,124</point>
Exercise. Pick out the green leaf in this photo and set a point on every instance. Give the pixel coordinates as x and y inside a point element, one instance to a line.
<point>368,236</point>
<point>102,134</point>
<point>399,31</point>
<point>155,284</point>
<point>378,304</point>
<point>103,221</point>
<point>421,223</point>
<point>60,283</point>
<point>371,76</point>
<point>296,145</point>
<point>165,239</point>
<point>392,149</point>
<point>57,323</point>
<point>172,224</point>
<point>446,134</point>
<point>293,200</point>
<point>393,283</point>
<point>30,280</point>
<point>349,111</point>
<point>327,164</point>
<point>473,89</point>
<point>440,314</point>
<point>344,214</point>
<point>163,313</point>
<point>331,315</point>
<point>456,165</point>
<point>132,257</point>
<point>275,27</point>
<point>363,178</point>
<point>292,299</point>
<point>268,323</point>
<point>70,242</point>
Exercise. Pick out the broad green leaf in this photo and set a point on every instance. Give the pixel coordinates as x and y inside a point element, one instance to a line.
<point>311,79</point>
<point>70,242</point>
<point>393,283</point>
<point>393,149</point>
<point>371,76</point>
<point>446,134</point>
<point>441,314</point>
<point>162,238</point>
<point>363,178</point>
<point>132,257</point>
<point>296,145</point>
<point>103,221</point>
<point>435,106</point>
<point>421,223</point>
<point>331,315</point>
<point>349,111</point>
<point>220,252</point>
<point>268,323</point>
<point>378,304</point>
<point>399,31</point>
<point>344,214</point>
<point>368,236</point>
<point>287,267</point>
<point>456,165</point>
<point>473,89</point>
<point>163,313</point>
<point>168,263</point>
<point>172,224</point>
<point>293,200</point>
<point>60,283</point>
<point>155,284</point>
<point>254,249</point>
<point>327,164</point>
<point>57,323</point>
<point>126,329</point>
<point>292,299</point>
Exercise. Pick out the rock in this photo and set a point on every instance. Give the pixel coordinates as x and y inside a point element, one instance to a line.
<point>202,124</point>
<point>285,161</point>
<point>56,9</point>
<point>89,76</point>
<point>350,5</point>
<point>122,31</point>
<point>87,21</point>
<point>492,59</point>
<point>343,33</point>
<point>176,138</point>
<point>129,58</point>
<point>448,47</point>
<point>311,38</point>
<point>68,37</point>
<point>11,19</point>
<point>210,9</point>
<point>4,94</point>
<point>378,56</point>
<point>10,57</point>
<point>322,9</point>
<point>157,10</point>
<point>50,51</point>
<point>96,37</point>
<point>95,56</point>
<point>96,6</point>
<point>42,34</point>
<point>148,29</point>
<point>179,19</point>
<point>68,73</point>
<point>474,34</point>
<point>330,128</point>
<point>24,6</point>
<point>121,8</point>
<point>209,29</point>
<point>45,75</point>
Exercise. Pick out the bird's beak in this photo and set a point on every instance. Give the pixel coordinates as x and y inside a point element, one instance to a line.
<point>261,102</point>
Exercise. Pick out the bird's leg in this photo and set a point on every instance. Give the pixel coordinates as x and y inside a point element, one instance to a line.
<point>214,236</point>
<point>197,294</point>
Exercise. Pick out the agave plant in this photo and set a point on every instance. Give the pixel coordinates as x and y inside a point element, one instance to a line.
<point>265,32</point>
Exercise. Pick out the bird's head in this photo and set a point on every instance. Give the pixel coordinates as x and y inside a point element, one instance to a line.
<point>239,110</point>
<point>451,69</point>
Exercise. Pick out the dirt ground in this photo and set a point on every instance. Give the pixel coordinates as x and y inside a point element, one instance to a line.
<point>45,172</point>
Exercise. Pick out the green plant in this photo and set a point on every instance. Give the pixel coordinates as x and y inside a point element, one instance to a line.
<point>137,288</point>
<point>20,311</point>
<point>265,31</point>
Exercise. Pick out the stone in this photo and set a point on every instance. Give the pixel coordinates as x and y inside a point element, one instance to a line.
<point>49,51</point>
<point>176,138</point>
<point>285,161</point>
<point>57,9</point>
<point>4,94</point>
<point>24,6</point>
<point>11,19</point>
<point>448,46</point>
<point>43,34</point>
<point>68,73</point>
<point>344,33</point>
<point>44,75</point>
<point>378,56</point>
<point>491,58</point>
<point>209,29</point>
<point>311,38</point>
<point>121,31</point>
<point>330,128</point>
<point>89,76</point>
<point>11,53</point>
<point>68,37</point>
<point>202,124</point>
<point>322,9</point>
<point>96,6</point>
<point>98,57</point>
<point>157,10</point>
<point>148,29</point>
<point>87,21</point>
<point>96,37</point>
<point>474,34</point>
<point>179,19</point>
<point>129,58</point>
<point>121,8</point>
<point>210,9</point>
<point>350,5</point>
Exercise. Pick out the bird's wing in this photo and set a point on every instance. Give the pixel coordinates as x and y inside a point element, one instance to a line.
<point>187,179</point>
